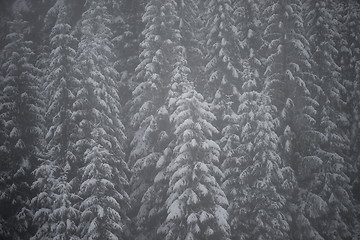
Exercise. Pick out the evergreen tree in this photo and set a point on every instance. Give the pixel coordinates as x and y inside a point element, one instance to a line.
<point>255,179</point>
<point>190,26</point>
<point>292,87</point>
<point>64,215</point>
<point>56,215</point>
<point>100,135</point>
<point>248,23</point>
<point>280,79</point>
<point>349,55</point>
<point>150,115</point>
<point>223,81</point>
<point>127,29</point>
<point>21,113</point>
<point>196,204</point>
<point>350,73</point>
<point>330,182</point>
<point>222,56</point>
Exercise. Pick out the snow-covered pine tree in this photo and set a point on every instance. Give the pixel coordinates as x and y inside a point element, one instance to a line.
<point>127,30</point>
<point>330,182</point>
<point>256,182</point>
<point>292,86</point>
<point>100,135</point>
<point>247,20</point>
<point>64,214</point>
<point>350,57</point>
<point>56,216</point>
<point>222,83</point>
<point>286,59</point>
<point>127,27</point>
<point>222,58</point>
<point>190,26</point>
<point>249,25</point>
<point>150,118</point>
<point>338,12</point>
<point>22,114</point>
<point>43,44</point>
<point>196,204</point>
<point>343,58</point>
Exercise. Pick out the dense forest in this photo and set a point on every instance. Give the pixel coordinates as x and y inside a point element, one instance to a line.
<point>180,119</point>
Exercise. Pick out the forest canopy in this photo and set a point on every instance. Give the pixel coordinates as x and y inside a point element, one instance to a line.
<point>180,119</point>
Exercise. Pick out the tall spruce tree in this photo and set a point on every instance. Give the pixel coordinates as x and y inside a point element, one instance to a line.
<point>256,181</point>
<point>330,182</point>
<point>127,30</point>
<point>56,215</point>
<point>285,95</point>
<point>222,58</point>
<point>250,145</point>
<point>349,55</point>
<point>100,135</point>
<point>175,160</point>
<point>196,204</point>
<point>349,67</point>
<point>21,112</point>
<point>248,22</point>
<point>190,26</point>
<point>150,115</point>
<point>292,87</point>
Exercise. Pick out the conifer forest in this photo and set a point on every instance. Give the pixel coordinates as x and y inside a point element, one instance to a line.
<point>179,120</point>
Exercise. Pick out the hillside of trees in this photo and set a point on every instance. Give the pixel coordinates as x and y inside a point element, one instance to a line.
<point>180,119</point>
